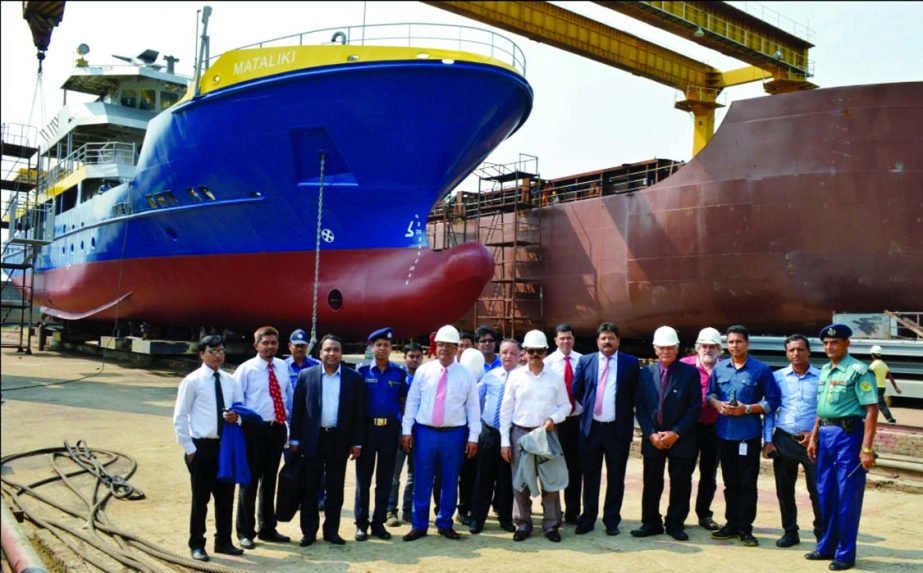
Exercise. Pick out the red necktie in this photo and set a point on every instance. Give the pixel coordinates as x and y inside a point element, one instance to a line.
<point>569,381</point>
<point>276,394</point>
<point>664,376</point>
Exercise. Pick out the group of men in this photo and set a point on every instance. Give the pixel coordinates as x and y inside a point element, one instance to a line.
<point>497,435</point>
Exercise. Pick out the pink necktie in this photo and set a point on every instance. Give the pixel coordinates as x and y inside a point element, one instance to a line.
<point>601,389</point>
<point>439,402</point>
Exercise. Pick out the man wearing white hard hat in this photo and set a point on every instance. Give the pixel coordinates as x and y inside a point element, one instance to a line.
<point>707,353</point>
<point>667,405</point>
<point>882,373</point>
<point>535,397</point>
<point>441,413</point>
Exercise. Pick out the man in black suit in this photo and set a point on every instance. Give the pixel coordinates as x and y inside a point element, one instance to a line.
<point>668,403</point>
<point>328,426</point>
<point>606,425</point>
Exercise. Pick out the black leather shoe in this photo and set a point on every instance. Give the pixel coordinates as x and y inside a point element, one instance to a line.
<point>840,565</point>
<point>612,531</point>
<point>476,527</point>
<point>790,538</point>
<point>507,526</point>
<point>305,541</point>
<point>520,535</point>
<point>817,556</point>
<point>747,540</point>
<point>335,539</point>
<point>646,531</point>
<point>415,534</point>
<point>199,554</point>
<point>448,533</point>
<point>571,519</point>
<point>228,549</point>
<point>709,524</point>
<point>274,536</point>
<point>465,519</point>
<point>246,543</point>
<point>582,529</point>
<point>361,535</point>
<point>724,533</point>
<point>553,536</point>
<point>380,532</point>
<point>678,534</point>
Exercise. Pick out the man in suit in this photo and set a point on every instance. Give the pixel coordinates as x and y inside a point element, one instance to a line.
<point>667,404</point>
<point>328,426</point>
<point>604,384</point>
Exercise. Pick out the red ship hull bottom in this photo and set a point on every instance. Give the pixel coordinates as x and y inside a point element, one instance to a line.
<point>412,290</point>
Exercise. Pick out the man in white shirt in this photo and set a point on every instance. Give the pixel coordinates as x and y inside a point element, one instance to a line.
<point>534,397</point>
<point>266,390</point>
<point>198,420</point>
<point>563,362</point>
<point>494,477</point>
<point>442,410</point>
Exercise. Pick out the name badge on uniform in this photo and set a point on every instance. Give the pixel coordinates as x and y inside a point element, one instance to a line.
<point>742,449</point>
<point>371,380</point>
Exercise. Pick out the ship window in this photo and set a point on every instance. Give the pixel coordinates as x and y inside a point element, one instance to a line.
<point>161,200</point>
<point>151,201</point>
<point>171,198</point>
<point>72,247</point>
<point>93,242</point>
<point>194,194</point>
<point>207,192</point>
<point>81,245</point>
<point>335,299</point>
<point>148,99</point>
<point>129,98</point>
<point>167,99</point>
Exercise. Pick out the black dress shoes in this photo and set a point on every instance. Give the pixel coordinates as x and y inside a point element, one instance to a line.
<point>520,535</point>
<point>723,533</point>
<point>361,535</point>
<point>246,543</point>
<point>449,533</point>
<point>840,565</point>
<point>380,532</point>
<point>612,531</point>
<point>582,529</point>
<point>553,536</point>
<point>646,531</point>
<point>790,538</point>
<point>305,541</point>
<point>274,536</point>
<point>709,524</point>
<point>228,549</point>
<point>476,527</point>
<point>678,534</point>
<point>415,534</point>
<point>507,526</point>
<point>816,556</point>
<point>335,539</point>
<point>199,554</point>
<point>571,519</point>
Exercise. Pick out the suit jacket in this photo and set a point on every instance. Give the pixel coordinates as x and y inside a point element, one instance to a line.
<point>682,404</point>
<point>306,410</point>
<point>584,391</point>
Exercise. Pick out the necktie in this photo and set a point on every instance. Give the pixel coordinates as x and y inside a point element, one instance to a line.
<point>664,376</point>
<point>219,401</point>
<point>439,402</point>
<point>569,381</point>
<point>276,394</point>
<point>601,389</point>
<point>500,400</point>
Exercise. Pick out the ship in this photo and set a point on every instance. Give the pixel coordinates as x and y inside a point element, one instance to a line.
<point>801,206</point>
<point>288,183</point>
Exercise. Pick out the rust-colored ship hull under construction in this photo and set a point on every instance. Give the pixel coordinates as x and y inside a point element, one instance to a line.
<point>801,205</point>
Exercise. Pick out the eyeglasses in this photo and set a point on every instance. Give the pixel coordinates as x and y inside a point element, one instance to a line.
<point>534,351</point>
<point>214,351</point>
<point>486,341</point>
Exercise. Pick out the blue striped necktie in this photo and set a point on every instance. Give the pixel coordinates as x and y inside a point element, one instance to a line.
<point>500,401</point>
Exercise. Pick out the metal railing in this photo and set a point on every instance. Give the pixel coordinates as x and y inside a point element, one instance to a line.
<point>90,154</point>
<point>416,35</point>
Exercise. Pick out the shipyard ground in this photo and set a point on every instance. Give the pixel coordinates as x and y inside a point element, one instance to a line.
<point>129,410</point>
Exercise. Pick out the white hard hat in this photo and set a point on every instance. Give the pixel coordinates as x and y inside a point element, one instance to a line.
<point>448,333</point>
<point>535,339</point>
<point>876,350</point>
<point>473,360</point>
<point>709,335</point>
<point>665,336</point>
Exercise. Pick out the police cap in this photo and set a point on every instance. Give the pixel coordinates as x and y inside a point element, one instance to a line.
<point>386,333</point>
<point>835,331</point>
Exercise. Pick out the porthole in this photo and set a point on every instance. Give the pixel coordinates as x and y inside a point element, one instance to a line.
<point>335,300</point>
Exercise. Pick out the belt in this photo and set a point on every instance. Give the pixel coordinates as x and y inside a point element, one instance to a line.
<point>603,423</point>
<point>795,437</point>
<point>487,426</point>
<point>845,422</point>
<point>442,428</point>
<point>523,428</point>
<point>379,421</point>
<point>195,440</point>
<point>273,423</point>
<point>328,428</point>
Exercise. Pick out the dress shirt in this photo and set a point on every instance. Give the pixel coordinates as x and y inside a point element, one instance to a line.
<point>530,400</point>
<point>489,394</point>
<point>798,407</point>
<point>608,411</point>
<point>196,412</point>
<point>709,414</point>
<point>555,363</point>
<point>330,398</point>
<point>497,363</point>
<point>754,384</point>
<point>462,406</point>
<point>253,378</point>
<point>386,389</point>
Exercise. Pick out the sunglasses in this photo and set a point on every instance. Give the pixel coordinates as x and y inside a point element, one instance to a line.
<point>215,351</point>
<point>486,341</point>
<point>534,351</point>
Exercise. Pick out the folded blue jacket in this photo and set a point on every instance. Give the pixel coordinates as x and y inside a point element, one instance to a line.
<point>232,457</point>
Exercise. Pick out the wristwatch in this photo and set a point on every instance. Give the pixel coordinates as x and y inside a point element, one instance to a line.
<point>747,409</point>
<point>868,451</point>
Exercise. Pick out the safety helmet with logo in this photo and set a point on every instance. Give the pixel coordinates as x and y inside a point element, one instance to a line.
<point>665,336</point>
<point>535,339</point>
<point>709,335</point>
<point>448,333</point>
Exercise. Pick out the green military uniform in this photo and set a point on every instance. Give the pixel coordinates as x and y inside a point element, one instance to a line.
<point>845,389</point>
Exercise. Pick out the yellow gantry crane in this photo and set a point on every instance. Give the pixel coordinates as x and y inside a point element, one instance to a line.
<point>770,51</point>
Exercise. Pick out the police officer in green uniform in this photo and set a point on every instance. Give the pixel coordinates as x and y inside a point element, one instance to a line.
<point>841,443</point>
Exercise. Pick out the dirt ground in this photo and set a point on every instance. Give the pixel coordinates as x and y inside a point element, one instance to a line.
<point>129,410</point>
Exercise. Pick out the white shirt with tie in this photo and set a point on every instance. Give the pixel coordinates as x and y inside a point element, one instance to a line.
<point>608,409</point>
<point>196,412</point>
<point>555,362</point>
<point>462,406</point>
<point>253,378</point>
<point>530,400</point>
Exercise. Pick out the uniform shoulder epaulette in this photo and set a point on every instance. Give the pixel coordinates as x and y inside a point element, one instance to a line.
<point>859,367</point>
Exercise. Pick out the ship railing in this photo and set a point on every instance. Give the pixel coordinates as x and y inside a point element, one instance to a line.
<point>19,134</point>
<point>412,35</point>
<point>102,153</point>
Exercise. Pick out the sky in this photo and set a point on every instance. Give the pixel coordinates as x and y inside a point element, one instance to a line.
<point>586,115</point>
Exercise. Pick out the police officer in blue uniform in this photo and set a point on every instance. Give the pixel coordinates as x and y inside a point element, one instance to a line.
<point>841,442</point>
<point>386,385</point>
